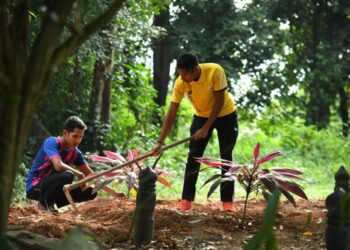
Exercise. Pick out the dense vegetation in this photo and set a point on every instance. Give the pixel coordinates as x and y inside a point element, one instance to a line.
<point>287,63</point>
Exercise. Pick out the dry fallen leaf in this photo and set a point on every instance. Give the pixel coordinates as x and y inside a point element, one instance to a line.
<point>307,233</point>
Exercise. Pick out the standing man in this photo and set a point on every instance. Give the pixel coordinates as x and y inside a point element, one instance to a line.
<point>53,168</point>
<point>206,87</point>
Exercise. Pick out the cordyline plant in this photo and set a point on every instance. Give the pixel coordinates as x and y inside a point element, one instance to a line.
<point>253,178</point>
<point>128,174</point>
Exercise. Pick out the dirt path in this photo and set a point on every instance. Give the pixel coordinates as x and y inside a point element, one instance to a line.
<point>205,227</point>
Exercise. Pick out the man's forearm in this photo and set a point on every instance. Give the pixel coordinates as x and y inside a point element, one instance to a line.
<point>64,166</point>
<point>167,125</point>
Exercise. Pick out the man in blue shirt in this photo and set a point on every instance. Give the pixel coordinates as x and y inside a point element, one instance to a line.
<point>53,168</point>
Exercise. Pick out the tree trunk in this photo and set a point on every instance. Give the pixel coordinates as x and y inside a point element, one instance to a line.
<point>107,90</point>
<point>24,79</point>
<point>318,112</point>
<point>93,123</point>
<point>161,59</point>
<point>343,110</point>
<point>100,97</point>
<point>74,83</point>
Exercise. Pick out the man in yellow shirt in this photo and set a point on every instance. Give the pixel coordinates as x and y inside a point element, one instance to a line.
<point>206,87</point>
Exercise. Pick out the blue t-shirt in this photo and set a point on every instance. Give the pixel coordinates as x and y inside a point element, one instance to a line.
<point>42,165</point>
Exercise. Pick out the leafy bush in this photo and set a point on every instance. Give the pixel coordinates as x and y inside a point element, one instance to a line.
<point>19,194</point>
<point>128,174</point>
<point>253,178</point>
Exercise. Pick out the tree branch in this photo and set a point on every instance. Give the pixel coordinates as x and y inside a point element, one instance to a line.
<point>39,61</point>
<point>71,44</point>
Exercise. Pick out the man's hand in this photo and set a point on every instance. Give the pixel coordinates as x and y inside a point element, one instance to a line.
<point>79,175</point>
<point>156,150</point>
<point>201,133</point>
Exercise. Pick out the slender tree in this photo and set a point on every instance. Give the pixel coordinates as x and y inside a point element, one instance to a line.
<point>162,56</point>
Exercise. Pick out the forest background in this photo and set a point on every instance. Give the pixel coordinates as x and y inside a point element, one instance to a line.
<point>288,68</point>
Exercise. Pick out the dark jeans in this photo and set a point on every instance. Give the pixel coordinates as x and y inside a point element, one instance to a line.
<point>227,129</point>
<point>50,190</point>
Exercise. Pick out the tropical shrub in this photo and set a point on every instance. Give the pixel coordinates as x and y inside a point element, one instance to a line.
<point>252,178</point>
<point>128,174</point>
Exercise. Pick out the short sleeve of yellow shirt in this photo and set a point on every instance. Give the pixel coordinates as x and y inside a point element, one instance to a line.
<point>201,93</point>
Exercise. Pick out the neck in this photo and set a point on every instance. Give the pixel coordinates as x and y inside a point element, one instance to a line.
<point>65,144</point>
<point>198,75</point>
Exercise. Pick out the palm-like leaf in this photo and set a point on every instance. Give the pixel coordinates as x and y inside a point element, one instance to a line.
<point>113,174</point>
<point>287,170</point>
<point>218,163</point>
<point>215,176</point>
<point>114,155</point>
<point>100,158</point>
<point>163,181</point>
<point>256,151</point>
<point>268,157</point>
<point>291,187</point>
<point>162,172</point>
<point>215,185</point>
<point>288,196</point>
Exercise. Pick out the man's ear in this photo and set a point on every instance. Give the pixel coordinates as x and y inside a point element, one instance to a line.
<point>64,132</point>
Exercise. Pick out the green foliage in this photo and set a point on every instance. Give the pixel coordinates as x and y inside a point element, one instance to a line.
<point>316,43</point>
<point>133,111</point>
<point>269,41</point>
<point>19,194</point>
<point>242,41</point>
<point>5,244</point>
<point>69,91</point>
<point>266,233</point>
<point>292,51</point>
<point>76,239</point>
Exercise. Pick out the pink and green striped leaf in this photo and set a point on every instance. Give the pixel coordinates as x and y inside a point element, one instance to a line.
<point>159,171</point>
<point>99,158</point>
<point>291,187</point>
<point>269,157</point>
<point>289,197</point>
<point>113,155</point>
<point>287,170</point>
<point>113,174</point>
<point>256,151</point>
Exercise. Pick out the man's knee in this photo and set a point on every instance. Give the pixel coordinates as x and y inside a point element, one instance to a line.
<point>67,177</point>
<point>88,195</point>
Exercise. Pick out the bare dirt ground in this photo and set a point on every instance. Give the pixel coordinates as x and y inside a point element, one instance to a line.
<point>205,227</point>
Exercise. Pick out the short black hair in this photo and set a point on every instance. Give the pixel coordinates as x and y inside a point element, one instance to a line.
<point>187,61</point>
<point>74,122</point>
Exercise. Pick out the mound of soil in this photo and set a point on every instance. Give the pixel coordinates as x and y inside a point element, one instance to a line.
<point>204,227</point>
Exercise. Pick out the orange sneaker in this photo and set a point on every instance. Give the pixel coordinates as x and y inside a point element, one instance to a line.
<point>184,205</point>
<point>228,206</point>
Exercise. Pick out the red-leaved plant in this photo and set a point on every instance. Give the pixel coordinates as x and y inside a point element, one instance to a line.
<point>128,174</point>
<point>253,178</point>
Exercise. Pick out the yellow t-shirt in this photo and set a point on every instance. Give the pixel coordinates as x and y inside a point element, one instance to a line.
<point>201,92</point>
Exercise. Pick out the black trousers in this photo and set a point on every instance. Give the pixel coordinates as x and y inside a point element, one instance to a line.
<point>227,129</point>
<point>50,190</point>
